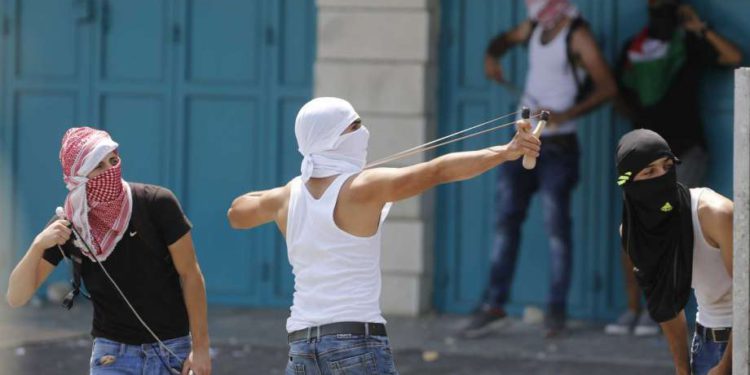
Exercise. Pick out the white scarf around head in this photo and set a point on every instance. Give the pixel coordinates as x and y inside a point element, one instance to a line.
<point>325,150</point>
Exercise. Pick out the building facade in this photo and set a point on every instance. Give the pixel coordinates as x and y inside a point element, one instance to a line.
<point>202,96</point>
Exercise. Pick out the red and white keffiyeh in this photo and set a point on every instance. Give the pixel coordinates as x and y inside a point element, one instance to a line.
<point>100,207</point>
<point>548,12</point>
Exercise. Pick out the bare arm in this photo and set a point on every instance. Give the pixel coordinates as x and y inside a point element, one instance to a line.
<point>729,54</point>
<point>675,331</point>
<point>586,50</point>
<point>256,208</point>
<point>716,215</point>
<point>33,270</point>
<point>394,184</point>
<point>501,44</point>
<point>194,294</point>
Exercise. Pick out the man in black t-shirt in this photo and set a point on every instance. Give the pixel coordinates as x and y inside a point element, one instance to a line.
<point>140,236</point>
<point>659,76</point>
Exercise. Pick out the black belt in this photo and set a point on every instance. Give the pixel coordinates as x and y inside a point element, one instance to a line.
<point>566,142</point>
<point>342,328</point>
<point>719,335</point>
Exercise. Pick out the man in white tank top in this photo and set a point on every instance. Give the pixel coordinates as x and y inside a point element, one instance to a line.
<point>562,52</point>
<point>677,239</point>
<point>331,216</point>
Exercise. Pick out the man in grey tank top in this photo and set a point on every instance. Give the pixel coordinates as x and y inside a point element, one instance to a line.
<point>333,142</point>
<point>676,239</point>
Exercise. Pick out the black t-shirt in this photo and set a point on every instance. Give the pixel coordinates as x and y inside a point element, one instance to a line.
<point>676,117</point>
<point>142,266</point>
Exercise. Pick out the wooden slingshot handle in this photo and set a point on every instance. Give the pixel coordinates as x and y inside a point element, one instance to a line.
<point>528,161</point>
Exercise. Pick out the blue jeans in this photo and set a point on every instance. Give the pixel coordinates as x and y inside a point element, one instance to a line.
<point>110,357</point>
<point>341,355</point>
<point>705,354</point>
<point>555,176</point>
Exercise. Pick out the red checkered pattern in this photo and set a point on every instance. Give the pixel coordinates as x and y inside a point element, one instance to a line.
<point>105,187</point>
<point>551,11</point>
<point>105,198</point>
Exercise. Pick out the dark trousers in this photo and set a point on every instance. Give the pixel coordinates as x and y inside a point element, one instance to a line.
<point>555,176</point>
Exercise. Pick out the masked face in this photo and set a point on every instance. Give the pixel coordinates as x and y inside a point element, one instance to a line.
<point>662,21</point>
<point>106,186</point>
<point>548,12</point>
<point>654,199</point>
<point>643,156</point>
<point>352,146</point>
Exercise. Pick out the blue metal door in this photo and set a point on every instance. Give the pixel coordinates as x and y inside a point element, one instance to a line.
<point>244,71</point>
<point>44,92</point>
<point>467,97</point>
<point>132,83</point>
<point>201,96</point>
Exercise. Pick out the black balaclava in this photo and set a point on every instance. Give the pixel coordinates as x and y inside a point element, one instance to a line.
<point>662,19</point>
<point>657,227</point>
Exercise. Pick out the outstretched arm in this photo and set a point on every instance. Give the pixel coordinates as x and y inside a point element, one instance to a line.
<point>394,184</point>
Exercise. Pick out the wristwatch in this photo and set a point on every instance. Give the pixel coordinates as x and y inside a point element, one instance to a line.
<point>703,31</point>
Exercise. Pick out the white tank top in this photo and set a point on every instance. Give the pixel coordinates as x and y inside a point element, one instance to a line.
<point>711,281</point>
<point>336,274</point>
<point>550,83</point>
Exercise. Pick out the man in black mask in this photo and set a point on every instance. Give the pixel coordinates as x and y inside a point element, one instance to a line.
<point>658,74</point>
<point>678,238</point>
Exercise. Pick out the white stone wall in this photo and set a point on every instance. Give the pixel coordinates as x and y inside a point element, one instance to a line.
<point>741,312</point>
<point>381,56</point>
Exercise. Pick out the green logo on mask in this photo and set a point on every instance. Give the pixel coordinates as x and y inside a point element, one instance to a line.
<point>624,178</point>
<point>666,207</point>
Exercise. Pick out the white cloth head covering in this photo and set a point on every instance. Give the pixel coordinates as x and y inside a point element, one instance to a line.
<point>326,152</point>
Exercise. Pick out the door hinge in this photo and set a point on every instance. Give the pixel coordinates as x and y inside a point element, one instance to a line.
<point>270,35</point>
<point>105,17</point>
<point>265,272</point>
<point>6,26</point>
<point>597,284</point>
<point>176,34</point>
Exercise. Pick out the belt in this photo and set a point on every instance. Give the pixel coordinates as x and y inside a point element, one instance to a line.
<point>569,142</point>
<point>342,328</point>
<point>719,335</point>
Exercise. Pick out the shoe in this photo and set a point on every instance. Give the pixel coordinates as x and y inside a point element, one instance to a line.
<point>623,325</point>
<point>554,322</point>
<point>646,326</point>
<point>484,321</point>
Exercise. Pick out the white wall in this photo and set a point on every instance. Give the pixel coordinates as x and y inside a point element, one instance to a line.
<point>381,56</point>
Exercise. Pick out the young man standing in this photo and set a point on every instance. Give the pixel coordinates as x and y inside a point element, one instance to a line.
<point>659,77</point>
<point>562,53</point>
<point>332,216</point>
<point>678,238</point>
<point>140,235</point>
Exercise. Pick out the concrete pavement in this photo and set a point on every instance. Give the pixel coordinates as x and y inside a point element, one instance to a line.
<point>50,340</point>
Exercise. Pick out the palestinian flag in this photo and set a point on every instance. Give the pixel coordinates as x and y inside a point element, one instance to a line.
<point>652,64</point>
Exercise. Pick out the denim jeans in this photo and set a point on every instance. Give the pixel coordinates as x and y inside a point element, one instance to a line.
<point>341,355</point>
<point>110,357</point>
<point>555,176</point>
<point>705,354</point>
